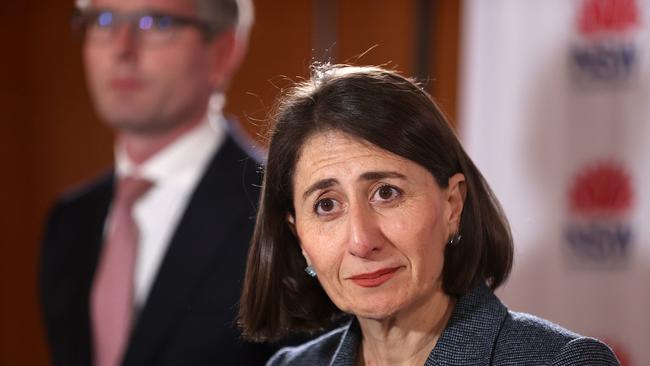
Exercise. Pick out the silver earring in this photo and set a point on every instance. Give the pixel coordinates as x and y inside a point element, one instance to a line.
<point>310,270</point>
<point>455,239</point>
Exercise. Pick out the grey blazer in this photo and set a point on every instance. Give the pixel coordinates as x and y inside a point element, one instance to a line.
<point>481,331</point>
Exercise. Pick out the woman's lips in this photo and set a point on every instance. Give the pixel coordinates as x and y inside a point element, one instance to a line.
<point>374,279</point>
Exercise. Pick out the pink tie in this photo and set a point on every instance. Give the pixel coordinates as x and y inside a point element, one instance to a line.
<point>111,299</point>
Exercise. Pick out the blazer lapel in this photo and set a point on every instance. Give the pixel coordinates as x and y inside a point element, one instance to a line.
<point>471,332</point>
<point>348,348</point>
<point>212,210</point>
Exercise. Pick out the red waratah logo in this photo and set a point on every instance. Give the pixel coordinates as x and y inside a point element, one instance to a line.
<point>608,16</point>
<point>603,188</point>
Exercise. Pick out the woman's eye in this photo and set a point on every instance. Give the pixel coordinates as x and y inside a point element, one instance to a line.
<point>386,193</point>
<point>325,206</point>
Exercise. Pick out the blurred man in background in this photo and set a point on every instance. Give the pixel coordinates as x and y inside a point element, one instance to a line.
<point>143,266</point>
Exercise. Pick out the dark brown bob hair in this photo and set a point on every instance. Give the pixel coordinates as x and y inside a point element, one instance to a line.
<point>397,115</point>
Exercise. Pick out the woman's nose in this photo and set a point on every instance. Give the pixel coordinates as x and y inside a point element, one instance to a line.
<point>365,234</point>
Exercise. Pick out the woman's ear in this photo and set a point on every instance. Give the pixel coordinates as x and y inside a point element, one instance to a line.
<point>456,193</point>
<point>306,258</point>
<point>291,221</point>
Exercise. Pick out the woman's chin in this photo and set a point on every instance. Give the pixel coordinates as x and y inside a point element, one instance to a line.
<point>378,317</point>
<point>374,311</point>
<point>376,304</point>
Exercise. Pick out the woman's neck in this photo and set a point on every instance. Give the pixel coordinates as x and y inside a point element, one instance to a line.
<point>406,338</point>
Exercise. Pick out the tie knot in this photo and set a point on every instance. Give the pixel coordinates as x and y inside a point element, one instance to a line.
<point>129,189</point>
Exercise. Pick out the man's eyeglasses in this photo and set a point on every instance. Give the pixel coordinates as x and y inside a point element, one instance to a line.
<point>150,28</point>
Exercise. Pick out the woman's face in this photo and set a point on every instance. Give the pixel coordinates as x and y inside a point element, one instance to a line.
<point>373,224</point>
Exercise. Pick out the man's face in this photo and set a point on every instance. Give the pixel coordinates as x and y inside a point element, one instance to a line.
<point>148,84</point>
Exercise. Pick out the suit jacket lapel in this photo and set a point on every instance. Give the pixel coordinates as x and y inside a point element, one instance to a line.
<point>213,208</point>
<point>82,253</point>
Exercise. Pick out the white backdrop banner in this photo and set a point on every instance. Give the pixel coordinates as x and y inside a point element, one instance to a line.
<point>555,111</point>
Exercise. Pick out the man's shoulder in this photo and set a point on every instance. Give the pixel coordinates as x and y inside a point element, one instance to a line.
<point>96,188</point>
<point>234,171</point>
<point>315,352</point>
<point>83,199</point>
<point>527,339</point>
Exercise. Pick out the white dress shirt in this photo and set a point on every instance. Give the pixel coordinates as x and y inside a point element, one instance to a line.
<point>175,171</point>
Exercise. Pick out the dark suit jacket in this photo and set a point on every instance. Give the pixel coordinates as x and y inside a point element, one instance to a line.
<point>481,331</point>
<point>188,318</point>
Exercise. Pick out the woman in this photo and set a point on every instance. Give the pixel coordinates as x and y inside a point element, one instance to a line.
<point>371,207</point>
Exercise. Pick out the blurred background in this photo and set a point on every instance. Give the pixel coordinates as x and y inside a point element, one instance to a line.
<point>549,96</point>
<point>52,140</point>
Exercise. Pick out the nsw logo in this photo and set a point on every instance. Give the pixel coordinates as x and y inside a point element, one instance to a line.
<point>598,232</point>
<point>605,52</point>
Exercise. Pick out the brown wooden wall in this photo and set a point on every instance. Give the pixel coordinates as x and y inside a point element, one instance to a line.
<point>52,140</point>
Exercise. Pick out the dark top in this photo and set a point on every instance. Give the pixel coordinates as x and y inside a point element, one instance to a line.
<point>189,315</point>
<point>480,331</point>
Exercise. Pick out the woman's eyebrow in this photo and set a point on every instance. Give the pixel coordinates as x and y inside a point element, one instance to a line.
<point>321,184</point>
<point>329,182</point>
<point>381,175</point>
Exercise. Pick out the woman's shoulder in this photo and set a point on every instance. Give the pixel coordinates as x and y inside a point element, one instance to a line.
<point>315,352</point>
<point>526,338</point>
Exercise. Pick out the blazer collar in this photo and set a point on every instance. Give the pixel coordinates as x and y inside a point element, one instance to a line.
<point>471,332</point>
<point>468,339</point>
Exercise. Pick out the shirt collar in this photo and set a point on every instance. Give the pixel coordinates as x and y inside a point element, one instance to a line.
<point>181,163</point>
